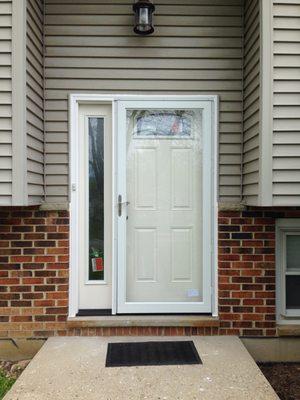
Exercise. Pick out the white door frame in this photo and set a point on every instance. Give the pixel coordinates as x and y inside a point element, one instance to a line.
<point>74,101</point>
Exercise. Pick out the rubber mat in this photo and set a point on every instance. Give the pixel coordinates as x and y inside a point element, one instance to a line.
<point>151,353</point>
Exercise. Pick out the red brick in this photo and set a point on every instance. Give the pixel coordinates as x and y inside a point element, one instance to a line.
<point>57,310</point>
<point>21,288</point>
<point>242,264</point>
<point>46,228</point>
<point>253,302</point>
<point>264,235</point>
<point>228,214</point>
<point>252,317</point>
<point>230,243</point>
<point>264,221</point>
<point>34,221</point>
<point>32,296</point>
<point>252,243</point>
<point>11,221</point>
<point>265,295</point>
<point>44,243</point>
<point>9,281</point>
<point>252,228</point>
<point>63,228</point>
<point>9,236</point>
<point>21,318</point>
<point>252,257</point>
<point>241,295</point>
<point>56,295</point>
<point>34,251</point>
<point>44,303</point>
<point>44,288</point>
<point>34,236</point>
<point>33,281</point>
<point>21,243</point>
<point>44,259</point>
<point>58,250</point>
<point>20,259</point>
<point>252,332</point>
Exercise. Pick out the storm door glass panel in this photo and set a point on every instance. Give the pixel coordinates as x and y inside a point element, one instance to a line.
<point>293,271</point>
<point>96,198</point>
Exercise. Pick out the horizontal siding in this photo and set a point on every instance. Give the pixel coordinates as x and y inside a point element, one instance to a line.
<point>196,49</point>
<point>251,97</point>
<point>286,134</point>
<point>35,101</point>
<point>5,103</point>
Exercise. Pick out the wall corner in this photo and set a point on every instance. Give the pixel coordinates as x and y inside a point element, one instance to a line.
<point>19,158</point>
<point>266,104</point>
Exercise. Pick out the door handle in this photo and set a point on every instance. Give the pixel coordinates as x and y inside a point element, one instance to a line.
<point>120,204</point>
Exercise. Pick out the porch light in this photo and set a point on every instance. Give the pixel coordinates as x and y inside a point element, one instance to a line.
<point>143,10</point>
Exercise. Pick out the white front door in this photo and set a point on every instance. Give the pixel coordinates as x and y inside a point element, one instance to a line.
<point>165,203</point>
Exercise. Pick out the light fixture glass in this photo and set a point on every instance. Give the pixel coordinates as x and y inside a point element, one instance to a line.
<point>143,10</point>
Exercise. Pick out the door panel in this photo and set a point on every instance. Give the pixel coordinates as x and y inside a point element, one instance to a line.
<point>163,183</point>
<point>162,261</point>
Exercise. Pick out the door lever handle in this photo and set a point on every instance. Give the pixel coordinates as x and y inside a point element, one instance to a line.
<point>120,204</point>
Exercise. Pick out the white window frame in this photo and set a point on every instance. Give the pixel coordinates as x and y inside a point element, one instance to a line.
<point>284,227</point>
<point>74,101</point>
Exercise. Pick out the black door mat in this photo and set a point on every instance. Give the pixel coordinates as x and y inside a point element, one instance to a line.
<point>151,353</point>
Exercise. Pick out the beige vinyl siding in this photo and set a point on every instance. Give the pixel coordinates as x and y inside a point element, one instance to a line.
<point>5,103</point>
<point>251,97</point>
<point>286,84</point>
<point>196,49</point>
<point>35,101</point>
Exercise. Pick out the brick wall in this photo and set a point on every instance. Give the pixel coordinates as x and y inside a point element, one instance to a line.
<point>34,257</point>
<point>247,270</point>
<point>34,267</point>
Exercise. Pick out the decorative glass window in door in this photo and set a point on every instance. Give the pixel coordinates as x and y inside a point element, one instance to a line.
<point>96,198</point>
<point>161,123</point>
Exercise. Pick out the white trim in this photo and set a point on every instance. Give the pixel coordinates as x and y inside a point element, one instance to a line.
<point>284,227</point>
<point>74,209</point>
<point>266,104</point>
<point>114,258</point>
<point>74,101</point>
<point>19,136</point>
<point>215,196</point>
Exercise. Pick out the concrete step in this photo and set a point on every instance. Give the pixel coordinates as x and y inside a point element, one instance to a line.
<point>68,368</point>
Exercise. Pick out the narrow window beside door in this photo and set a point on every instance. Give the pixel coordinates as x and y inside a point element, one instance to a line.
<point>96,198</point>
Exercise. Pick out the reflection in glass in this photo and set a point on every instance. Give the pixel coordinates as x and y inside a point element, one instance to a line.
<point>293,252</point>
<point>293,291</point>
<point>96,198</point>
<point>162,123</point>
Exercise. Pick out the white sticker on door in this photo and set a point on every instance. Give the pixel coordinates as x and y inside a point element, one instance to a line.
<point>193,293</point>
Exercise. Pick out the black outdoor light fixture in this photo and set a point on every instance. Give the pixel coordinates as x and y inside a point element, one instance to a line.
<point>143,10</point>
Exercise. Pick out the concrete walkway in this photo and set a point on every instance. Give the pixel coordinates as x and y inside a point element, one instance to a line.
<point>73,368</point>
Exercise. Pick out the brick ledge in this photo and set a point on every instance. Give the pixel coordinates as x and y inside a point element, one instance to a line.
<point>144,321</point>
